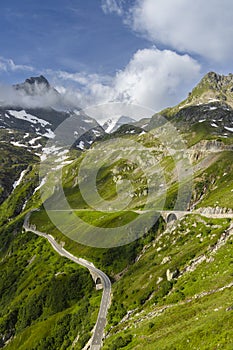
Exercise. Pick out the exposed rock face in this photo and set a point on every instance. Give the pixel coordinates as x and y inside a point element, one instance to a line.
<point>165,260</point>
<point>230,308</point>
<point>214,111</point>
<point>213,86</point>
<point>215,210</point>
<point>37,80</point>
<point>217,81</point>
<point>213,93</point>
<point>35,86</point>
<point>212,146</point>
<point>172,274</point>
<point>205,148</point>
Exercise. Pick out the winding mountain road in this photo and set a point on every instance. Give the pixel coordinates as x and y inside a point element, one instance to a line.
<point>97,337</point>
<point>98,332</point>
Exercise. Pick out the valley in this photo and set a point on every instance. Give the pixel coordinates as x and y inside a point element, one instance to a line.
<point>147,208</point>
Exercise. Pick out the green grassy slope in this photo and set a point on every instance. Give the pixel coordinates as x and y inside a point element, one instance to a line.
<point>46,301</point>
<point>167,313</point>
<point>188,310</point>
<point>179,313</point>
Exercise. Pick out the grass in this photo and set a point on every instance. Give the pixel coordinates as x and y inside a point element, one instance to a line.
<point>112,260</point>
<point>42,292</point>
<point>217,180</point>
<point>201,324</point>
<point>32,273</point>
<point>197,324</point>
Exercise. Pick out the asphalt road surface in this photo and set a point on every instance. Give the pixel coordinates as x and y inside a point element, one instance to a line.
<point>98,333</point>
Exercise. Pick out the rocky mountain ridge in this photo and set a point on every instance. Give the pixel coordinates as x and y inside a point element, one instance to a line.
<point>43,121</point>
<point>212,88</point>
<point>35,86</point>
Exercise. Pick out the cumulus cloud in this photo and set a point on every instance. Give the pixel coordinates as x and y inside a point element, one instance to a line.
<point>72,90</point>
<point>7,65</point>
<point>201,27</point>
<point>156,78</point>
<point>153,78</point>
<point>9,96</point>
<point>112,6</point>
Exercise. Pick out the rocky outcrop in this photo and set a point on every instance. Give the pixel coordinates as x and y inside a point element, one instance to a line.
<point>172,274</point>
<point>212,87</point>
<point>217,81</point>
<point>36,86</point>
<point>210,254</point>
<point>214,210</point>
<point>211,146</point>
<point>206,148</point>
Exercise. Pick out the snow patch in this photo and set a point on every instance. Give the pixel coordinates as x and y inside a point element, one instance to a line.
<point>110,127</point>
<point>228,129</point>
<point>43,181</point>
<point>32,141</point>
<point>17,182</point>
<point>81,145</point>
<point>49,150</point>
<point>60,159</point>
<point>49,134</point>
<point>96,132</point>
<point>23,115</point>
<point>89,121</point>
<point>18,144</point>
<point>144,126</point>
<point>77,112</point>
<point>37,146</point>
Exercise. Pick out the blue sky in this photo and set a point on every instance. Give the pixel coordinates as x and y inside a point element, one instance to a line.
<point>70,35</point>
<point>150,52</point>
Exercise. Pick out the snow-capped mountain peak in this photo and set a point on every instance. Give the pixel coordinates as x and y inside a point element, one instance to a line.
<point>112,125</point>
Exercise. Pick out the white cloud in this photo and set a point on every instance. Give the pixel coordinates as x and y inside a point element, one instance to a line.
<point>153,78</point>
<point>8,65</point>
<point>12,97</point>
<point>112,6</point>
<point>156,78</point>
<point>201,27</point>
<point>81,78</point>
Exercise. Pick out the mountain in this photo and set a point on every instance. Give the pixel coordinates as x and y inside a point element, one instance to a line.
<point>213,88</point>
<point>110,126</point>
<point>26,131</point>
<point>35,86</point>
<point>43,121</point>
<point>208,108</point>
<point>172,285</point>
